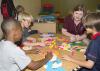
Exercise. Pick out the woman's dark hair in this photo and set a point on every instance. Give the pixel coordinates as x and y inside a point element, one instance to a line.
<point>80,7</point>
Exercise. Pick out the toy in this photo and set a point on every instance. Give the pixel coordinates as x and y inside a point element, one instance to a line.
<point>64,46</point>
<point>53,44</point>
<point>77,43</point>
<point>62,39</point>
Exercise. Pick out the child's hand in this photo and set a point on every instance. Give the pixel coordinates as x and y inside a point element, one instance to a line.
<point>31,39</point>
<point>35,51</point>
<point>66,57</point>
<point>49,55</point>
<point>29,30</point>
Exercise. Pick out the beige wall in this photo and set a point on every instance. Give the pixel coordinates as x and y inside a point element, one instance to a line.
<point>1,18</point>
<point>65,6</point>
<point>31,6</point>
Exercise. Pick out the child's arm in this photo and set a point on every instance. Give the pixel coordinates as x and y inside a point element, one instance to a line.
<point>34,51</point>
<point>87,64</point>
<point>34,65</point>
<point>80,37</point>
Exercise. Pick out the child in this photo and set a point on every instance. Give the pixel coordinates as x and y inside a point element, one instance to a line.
<point>92,62</point>
<point>25,20</point>
<point>19,9</point>
<point>12,58</point>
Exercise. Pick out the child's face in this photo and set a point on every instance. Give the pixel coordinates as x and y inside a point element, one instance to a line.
<point>89,30</point>
<point>18,34</point>
<point>27,23</point>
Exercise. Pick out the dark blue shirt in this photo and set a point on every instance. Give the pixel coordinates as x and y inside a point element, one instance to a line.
<point>93,53</point>
<point>27,33</point>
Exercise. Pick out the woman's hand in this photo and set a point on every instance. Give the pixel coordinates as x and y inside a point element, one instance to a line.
<point>72,38</point>
<point>78,37</point>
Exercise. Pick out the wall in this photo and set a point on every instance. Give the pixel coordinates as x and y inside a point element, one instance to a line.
<point>1,18</point>
<point>31,6</point>
<point>65,6</point>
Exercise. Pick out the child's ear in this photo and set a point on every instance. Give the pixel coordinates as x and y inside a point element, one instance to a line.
<point>22,21</point>
<point>94,29</point>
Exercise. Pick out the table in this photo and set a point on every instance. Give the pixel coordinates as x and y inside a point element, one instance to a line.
<point>68,66</point>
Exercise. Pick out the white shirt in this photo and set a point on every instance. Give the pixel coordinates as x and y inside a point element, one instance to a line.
<point>12,58</point>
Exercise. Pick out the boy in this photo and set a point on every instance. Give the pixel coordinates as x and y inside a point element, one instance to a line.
<point>92,62</point>
<point>19,9</point>
<point>12,58</point>
<point>25,20</point>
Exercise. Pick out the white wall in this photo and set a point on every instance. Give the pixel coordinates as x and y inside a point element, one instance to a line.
<point>31,6</point>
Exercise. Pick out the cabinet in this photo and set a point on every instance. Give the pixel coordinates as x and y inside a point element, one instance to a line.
<point>45,27</point>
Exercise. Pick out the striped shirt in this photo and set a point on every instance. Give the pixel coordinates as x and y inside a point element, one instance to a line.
<point>72,28</point>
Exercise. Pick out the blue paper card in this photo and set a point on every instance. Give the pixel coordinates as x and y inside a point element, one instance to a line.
<point>54,64</point>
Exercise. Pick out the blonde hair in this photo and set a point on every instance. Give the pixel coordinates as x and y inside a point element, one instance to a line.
<point>24,16</point>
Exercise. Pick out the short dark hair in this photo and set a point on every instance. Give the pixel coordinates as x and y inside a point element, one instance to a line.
<point>8,24</point>
<point>93,20</point>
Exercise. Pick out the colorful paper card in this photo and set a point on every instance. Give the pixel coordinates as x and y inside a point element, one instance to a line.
<point>54,64</point>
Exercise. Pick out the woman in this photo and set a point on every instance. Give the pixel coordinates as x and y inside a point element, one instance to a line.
<point>73,26</point>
